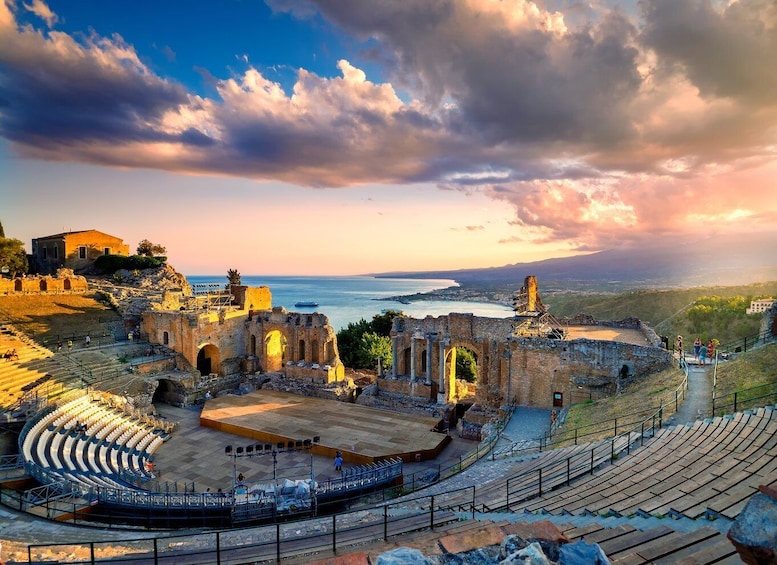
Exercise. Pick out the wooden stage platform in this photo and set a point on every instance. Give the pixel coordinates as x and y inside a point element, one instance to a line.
<point>362,434</point>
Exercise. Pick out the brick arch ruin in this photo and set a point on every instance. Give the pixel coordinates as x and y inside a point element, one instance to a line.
<point>429,344</point>
<point>530,371</point>
<point>233,336</point>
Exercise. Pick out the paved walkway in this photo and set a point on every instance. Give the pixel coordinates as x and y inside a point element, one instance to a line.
<point>698,400</point>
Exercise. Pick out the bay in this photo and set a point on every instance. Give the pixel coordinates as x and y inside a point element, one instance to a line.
<point>348,299</point>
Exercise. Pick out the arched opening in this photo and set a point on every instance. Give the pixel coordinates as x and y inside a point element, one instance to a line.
<point>67,284</point>
<point>301,350</point>
<point>208,360</point>
<point>17,285</point>
<point>330,351</point>
<point>406,355</point>
<point>423,363</point>
<point>314,351</point>
<point>466,364</point>
<point>165,338</point>
<point>169,392</point>
<point>43,285</point>
<point>274,351</point>
<point>252,350</point>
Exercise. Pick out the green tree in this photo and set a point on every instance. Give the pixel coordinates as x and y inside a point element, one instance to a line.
<point>381,323</point>
<point>361,343</point>
<point>349,342</point>
<point>13,258</point>
<point>373,347</point>
<point>466,365</point>
<point>148,249</point>
<point>2,231</point>
<point>233,276</point>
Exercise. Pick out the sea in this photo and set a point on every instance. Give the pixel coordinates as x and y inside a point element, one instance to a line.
<point>346,299</point>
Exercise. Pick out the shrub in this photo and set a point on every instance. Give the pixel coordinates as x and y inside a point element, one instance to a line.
<point>109,264</point>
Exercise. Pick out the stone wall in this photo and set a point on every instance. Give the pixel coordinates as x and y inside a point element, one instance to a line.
<point>531,371</point>
<point>541,368</point>
<point>232,340</point>
<point>415,390</point>
<point>43,284</point>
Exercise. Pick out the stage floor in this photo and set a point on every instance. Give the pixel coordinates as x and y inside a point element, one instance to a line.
<point>361,433</point>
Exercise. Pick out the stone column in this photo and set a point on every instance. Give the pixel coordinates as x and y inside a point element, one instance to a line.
<point>443,343</point>
<point>412,359</point>
<point>428,359</point>
<point>394,340</point>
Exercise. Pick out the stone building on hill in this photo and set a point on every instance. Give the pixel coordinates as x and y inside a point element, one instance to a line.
<point>76,250</point>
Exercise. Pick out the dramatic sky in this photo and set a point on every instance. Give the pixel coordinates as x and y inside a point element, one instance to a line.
<point>353,136</point>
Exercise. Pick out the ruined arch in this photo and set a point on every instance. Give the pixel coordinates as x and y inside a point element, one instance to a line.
<point>169,392</point>
<point>43,285</point>
<point>67,284</point>
<point>208,359</point>
<point>314,351</point>
<point>275,343</point>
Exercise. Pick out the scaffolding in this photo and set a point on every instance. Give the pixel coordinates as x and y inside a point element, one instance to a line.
<point>532,318</point>
<point>210,296</point>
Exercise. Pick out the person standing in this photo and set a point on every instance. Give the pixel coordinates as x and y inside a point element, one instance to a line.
<point>69,345</point>
<point>680,346</point>
<point>710,350</point>
<point>87,340</point>
<point>702,355</point>
<point>697,349</point>
<point>338,462</point>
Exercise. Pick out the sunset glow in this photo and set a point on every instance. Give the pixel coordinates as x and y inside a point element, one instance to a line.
<point>310,137</point>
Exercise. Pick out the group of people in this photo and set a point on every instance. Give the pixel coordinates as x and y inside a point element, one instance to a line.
<point>11,354</point>
<point>702,354</point>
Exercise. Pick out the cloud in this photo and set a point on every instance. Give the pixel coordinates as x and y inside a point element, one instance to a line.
<point>41,9</point>
<point>469,228</point>
<point>597,126</point>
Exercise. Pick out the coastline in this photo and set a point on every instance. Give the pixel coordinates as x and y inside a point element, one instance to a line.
<point>501,297</point>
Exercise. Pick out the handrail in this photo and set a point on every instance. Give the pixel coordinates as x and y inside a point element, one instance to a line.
<point>643,416</point>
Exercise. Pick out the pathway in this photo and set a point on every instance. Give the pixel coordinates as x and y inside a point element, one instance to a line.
<point>698,400</point>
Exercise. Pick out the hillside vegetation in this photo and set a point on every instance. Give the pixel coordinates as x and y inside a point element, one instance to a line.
<point>707,312</point>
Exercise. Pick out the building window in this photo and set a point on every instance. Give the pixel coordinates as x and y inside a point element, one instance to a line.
<point>107,251</point>
<point>82,252</point>
<point>44,254</point>
<point>56,252</point>
<point>165,338</point>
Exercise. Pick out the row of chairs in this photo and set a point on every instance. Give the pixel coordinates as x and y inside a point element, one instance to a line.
<point>92,444</point>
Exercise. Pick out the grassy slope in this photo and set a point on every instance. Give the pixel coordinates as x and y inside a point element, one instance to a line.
<point>757,368</point>
<point>46,317</point>
<point>637,401</point>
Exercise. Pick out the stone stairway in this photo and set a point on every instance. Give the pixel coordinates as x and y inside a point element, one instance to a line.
<point>685,525</point>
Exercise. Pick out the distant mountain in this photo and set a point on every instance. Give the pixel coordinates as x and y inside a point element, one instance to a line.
<point>730,260</point>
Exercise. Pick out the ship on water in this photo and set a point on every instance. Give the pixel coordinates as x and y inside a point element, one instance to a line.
<point>305,304</point>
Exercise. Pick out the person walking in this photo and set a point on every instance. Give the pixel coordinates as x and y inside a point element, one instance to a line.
<point>702,355</point>
<point>680,346</point>
<point>87,340</point>
<point>69,345</point>
<point>696,349</point>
